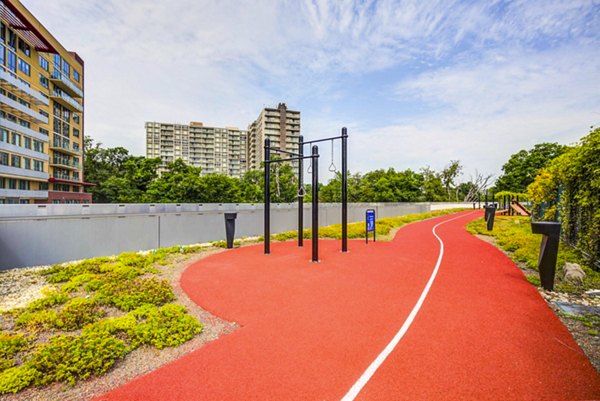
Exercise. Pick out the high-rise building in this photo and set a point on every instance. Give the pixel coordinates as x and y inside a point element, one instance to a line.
<point>41,113</point>
<point>280,125</point>
<point>215,150</point>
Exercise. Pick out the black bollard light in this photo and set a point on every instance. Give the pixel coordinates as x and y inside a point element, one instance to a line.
<point>550,231</point>
<point>230,228</point>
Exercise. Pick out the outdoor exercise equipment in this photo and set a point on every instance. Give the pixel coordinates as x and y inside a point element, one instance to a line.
<point>344,155</point>
<point>313,169</point>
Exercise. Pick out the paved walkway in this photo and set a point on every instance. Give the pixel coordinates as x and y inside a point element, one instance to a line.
<point>340,329</point>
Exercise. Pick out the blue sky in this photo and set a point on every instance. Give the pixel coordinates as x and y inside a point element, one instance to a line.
<point>417,83</point>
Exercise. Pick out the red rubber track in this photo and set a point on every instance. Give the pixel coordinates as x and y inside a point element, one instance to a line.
<point>308,331</point>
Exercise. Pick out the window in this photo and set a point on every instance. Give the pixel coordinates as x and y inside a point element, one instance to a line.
<point>66,68</point>
<point>27,142</point>
<point>12,183</point>
<point>4,158</point>
<point>43,186</point>
<point>3,135</point>
<point>16,139</point>
<point>11,61</point>
<point>44,81</point>
<point>39,166</point>
<point>27,163</point>
<point>76,118</point>
<point>24,66</point>
<point>12,40</point>
<point>15,161</point>
<point>75,132</point>
<point>24,123</point>
<point>24,185</point>
<point>24,47</point>
<point>2,55</point>
<point>2,31</point>
<point>2,182</point>
<point>38,146</point>
<point>56,60</point>
<point>75,75</point>
<point>44,63</point>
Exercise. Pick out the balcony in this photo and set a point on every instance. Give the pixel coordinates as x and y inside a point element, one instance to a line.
<point>58,162</point>
<point>20,110</point>
<point>10,82</point>
<point>64,177</point>
<point>23,151</point>
<point>68,149</point>
<point>23,130</point>
<point>64,83</point>
<point>61,97</point>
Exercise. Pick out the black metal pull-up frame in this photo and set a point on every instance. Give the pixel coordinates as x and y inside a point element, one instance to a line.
<point>344,139</point>
<point>314,156</point>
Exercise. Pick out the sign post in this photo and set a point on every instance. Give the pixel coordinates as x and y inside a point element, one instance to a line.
<point>370,224</point>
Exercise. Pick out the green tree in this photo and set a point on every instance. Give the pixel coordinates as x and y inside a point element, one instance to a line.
<point>522,167</point>
<point>179,183</point>
<point>448,176</point>
<point>433,189</point>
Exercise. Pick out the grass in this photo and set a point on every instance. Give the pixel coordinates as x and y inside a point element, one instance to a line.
<point>94,313</point>
<point>513,234</point>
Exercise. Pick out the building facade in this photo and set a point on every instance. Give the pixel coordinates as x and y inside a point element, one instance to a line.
<point>41,113</point>
<point>280,125</point>
<point>214,150</point>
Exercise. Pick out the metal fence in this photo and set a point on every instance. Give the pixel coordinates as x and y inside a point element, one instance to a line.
<point>32,235</point>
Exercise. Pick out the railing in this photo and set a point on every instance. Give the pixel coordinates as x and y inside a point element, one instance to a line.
<point>67,163</point>
<point>58,144</point>
<point>57,75</point>
<point>68,99</point>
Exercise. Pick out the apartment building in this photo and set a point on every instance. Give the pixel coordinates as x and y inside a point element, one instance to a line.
<point>215,150</point>
<point>280,125</point>
<point>41,113</point>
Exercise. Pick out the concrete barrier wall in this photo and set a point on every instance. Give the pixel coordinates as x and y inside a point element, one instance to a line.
<point>32,235</point>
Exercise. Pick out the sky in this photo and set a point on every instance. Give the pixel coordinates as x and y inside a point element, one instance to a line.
<point>417,83</point>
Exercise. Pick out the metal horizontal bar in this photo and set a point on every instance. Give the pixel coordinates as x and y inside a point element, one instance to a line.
<point>287,160</point>
<point>283,151</point>
<point>321,140</point>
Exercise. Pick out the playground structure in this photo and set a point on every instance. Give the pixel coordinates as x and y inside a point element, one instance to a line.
<point>314,170</point>
<point>507,205</point>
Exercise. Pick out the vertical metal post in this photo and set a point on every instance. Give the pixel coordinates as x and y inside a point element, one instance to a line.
<point>486,197</point>
<point>301,195</point>
<point>478,200</point>
<point>267,193</point>
<point>344,189</point>
<point>315,203</point>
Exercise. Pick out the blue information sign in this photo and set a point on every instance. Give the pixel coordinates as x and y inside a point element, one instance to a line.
<point>370,220</point>
<point>370,224</point>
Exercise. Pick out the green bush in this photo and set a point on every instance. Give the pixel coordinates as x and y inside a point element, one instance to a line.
<point>129,295</point>
<point>72,358</point>
<point>77,313</point>
<point>13,380</point>
<point>10,345</point>
<point>167,326</point>
<point>36,320</point>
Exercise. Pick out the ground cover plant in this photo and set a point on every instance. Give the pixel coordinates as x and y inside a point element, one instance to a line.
<point>513,235</point>
<point>94,313</point>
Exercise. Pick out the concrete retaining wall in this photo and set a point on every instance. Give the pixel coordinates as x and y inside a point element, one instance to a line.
<point>32,235</point>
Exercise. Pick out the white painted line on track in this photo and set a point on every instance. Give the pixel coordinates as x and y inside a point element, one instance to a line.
<point>366,376</point>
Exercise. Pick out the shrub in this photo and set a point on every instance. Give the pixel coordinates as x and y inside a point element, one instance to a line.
<point>77,313</point>
<point>167,326</point>
<point>10,345</point>
<point>72,358</point>
<point>15,379</point>
<point>128,295</point>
